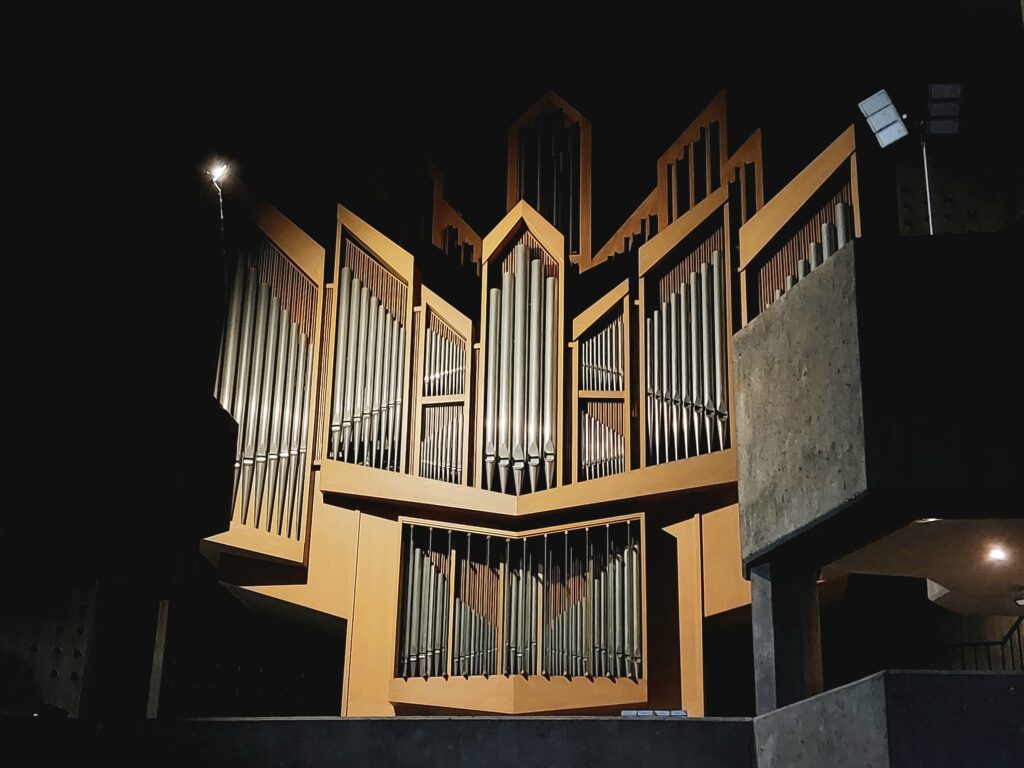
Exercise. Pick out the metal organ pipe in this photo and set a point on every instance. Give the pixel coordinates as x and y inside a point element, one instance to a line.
<point>369,358</point>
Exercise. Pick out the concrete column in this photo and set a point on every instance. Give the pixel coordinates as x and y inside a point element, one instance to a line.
<point>787,635</point>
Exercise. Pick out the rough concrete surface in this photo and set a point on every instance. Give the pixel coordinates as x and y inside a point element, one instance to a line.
<point>799,407</point>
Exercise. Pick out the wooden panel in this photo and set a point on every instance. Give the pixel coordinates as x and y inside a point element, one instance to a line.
<point>691,614</point>
<point>307,254</point>
<point>519,695</point>
<point>358,482</point>
<point>595,311</point>
<point>714,112</point>
<point>698,473</point>
<point>724,585</point>
<point>552,100</point>
<point>617,242</point>
<point>374,617</point>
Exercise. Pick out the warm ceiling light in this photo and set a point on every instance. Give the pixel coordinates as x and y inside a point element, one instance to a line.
<point>998,555</point>
<point>1019,600</point>
<point>218,172</point>
<point>927,520</point>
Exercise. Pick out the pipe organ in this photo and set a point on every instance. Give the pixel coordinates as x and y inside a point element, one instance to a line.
<point>566,603</point>
<point>440,442</point>
<point>265,377</point>
<point>469,606</point>
<point>523,336</point>
<point>685,363</point>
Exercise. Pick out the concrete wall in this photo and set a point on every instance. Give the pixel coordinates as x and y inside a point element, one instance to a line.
<point>888,720</point>
<point>451,742</point>
<point>799,408</point>
<point>846,392</point>
<point>900,720</point>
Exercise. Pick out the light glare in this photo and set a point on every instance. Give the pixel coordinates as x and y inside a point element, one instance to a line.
<point>997,554</point>
<point>218,172</point>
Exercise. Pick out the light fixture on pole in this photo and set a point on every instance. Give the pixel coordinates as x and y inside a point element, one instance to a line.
<point>217,174</point>
<point>887,124</point>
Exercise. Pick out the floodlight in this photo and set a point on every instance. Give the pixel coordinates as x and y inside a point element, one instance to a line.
<point>883,118</point>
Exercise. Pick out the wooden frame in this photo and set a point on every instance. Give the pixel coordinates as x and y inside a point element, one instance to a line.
<point>658,200</point>
<point>778,216</point>
<point>399,262</point>
<point>553,100</point>
<point>507,693</point>
<point>430,302</point>
<point>617,298</point>
<point>444,215</point>
<point>522,216</point>
<point>715,112</point>
<point>308,257</point>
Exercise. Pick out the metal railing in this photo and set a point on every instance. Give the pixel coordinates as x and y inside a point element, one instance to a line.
<point>1005,655</point>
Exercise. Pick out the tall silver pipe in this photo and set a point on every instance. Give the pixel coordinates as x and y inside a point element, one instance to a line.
<point>370,353</point>
<point>266,405</point>
<point>674,382</point>
<point>535,375</point>
<point>417,607</point>
<point>551,352</point>
<point>370,426</point>
<point>407,613</point>
<point>491,387</point>
<point>380,420</point>
<point>619,354</point>
<point>274,446</point>
<point>387,423</point>
<point>229,349</point>
<point>685,390</point>
<point>400,416</point>
<point>707,300</point>
<point>627,601</point>
<point>340,351</point>
<point>697,393</point>
<point>296,432</point>
<point>666,398</point>
<point>354,353</point>
<point>504,417</point>
<point>649,386</point>
<point>656,350</point>
<point>307,387</point>
<point>243,372</point>
<point>253,399</point>
<point>519,364</point>
<point>431,603</point>
<point>721,399</point>
<point>284,446</point>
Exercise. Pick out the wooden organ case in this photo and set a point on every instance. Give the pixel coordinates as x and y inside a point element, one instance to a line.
<point>464,481</point>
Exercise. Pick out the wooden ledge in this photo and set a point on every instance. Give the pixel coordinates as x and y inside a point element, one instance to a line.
<point>695,474</point>
<point>516,695</point>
